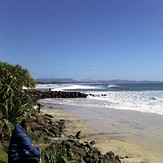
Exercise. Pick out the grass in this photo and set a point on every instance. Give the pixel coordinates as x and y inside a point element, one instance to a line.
<point>3,155</point>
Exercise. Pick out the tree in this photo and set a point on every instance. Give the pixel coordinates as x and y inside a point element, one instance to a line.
<point>22,75</point>
<point>14,102</point>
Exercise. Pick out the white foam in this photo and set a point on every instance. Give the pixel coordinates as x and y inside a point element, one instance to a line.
<point>113,86</point>
<point>144,101</point>
<point>62,87</point>
<point>73,87</point>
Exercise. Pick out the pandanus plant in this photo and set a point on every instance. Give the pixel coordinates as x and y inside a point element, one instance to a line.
<point>14,103</point>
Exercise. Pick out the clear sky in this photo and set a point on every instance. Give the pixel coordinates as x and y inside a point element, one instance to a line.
<point>84,39</point>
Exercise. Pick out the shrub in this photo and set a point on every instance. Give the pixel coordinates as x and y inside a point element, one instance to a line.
<point>14,103</point>
<point>55,154</point>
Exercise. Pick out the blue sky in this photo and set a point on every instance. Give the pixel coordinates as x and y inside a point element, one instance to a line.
<point>84,39</point>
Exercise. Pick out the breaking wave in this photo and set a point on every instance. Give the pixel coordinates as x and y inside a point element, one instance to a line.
<point>70,87</point>
<point>136,97</point>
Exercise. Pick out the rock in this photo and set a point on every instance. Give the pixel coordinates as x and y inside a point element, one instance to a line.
<point>66,144</point>
<point>92,142</point>
<point>80,135</point>
<point>61,124</point>
<point>48,115</point>
<point>40,94</point>
<point>110,153</point>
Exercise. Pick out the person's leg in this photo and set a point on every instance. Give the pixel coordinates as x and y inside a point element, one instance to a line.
<point>16,161</point>
<point>30,159</point>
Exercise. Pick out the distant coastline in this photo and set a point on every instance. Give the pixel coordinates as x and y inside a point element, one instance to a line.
<point>70,80</point>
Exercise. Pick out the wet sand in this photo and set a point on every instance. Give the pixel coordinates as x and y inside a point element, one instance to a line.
<point>139,136</point>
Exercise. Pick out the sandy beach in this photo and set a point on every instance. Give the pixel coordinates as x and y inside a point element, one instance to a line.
<point>133,135</point>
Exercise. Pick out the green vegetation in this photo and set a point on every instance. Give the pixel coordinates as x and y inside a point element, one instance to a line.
<point>14,102</point>
<point>3,154</point>
<point>54,155</point>
<point>22,76</point>
<point>15,105</point>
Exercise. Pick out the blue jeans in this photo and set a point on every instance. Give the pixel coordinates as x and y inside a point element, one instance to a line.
<point>27,160</point>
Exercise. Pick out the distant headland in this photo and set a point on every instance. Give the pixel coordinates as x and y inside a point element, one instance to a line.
<point>70,80</point>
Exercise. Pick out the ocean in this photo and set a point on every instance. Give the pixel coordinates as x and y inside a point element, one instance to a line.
<point>142,97</point>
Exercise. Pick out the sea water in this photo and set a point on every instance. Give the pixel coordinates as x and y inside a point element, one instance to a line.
<point>143,97</point>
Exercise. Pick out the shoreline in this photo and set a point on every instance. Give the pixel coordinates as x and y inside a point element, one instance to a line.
<point>117,139</point>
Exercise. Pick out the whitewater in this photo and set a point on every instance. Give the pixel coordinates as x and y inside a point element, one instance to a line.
<point>142,97</point>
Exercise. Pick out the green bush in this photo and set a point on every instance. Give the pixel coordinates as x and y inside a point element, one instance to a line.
<point>3,155</point>
<point>14,102</point>
<point>54,154</point>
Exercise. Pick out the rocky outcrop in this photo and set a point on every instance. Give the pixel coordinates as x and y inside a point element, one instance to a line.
<point>86,152</point>
<point>41,94</point>
<point>45,127</point>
